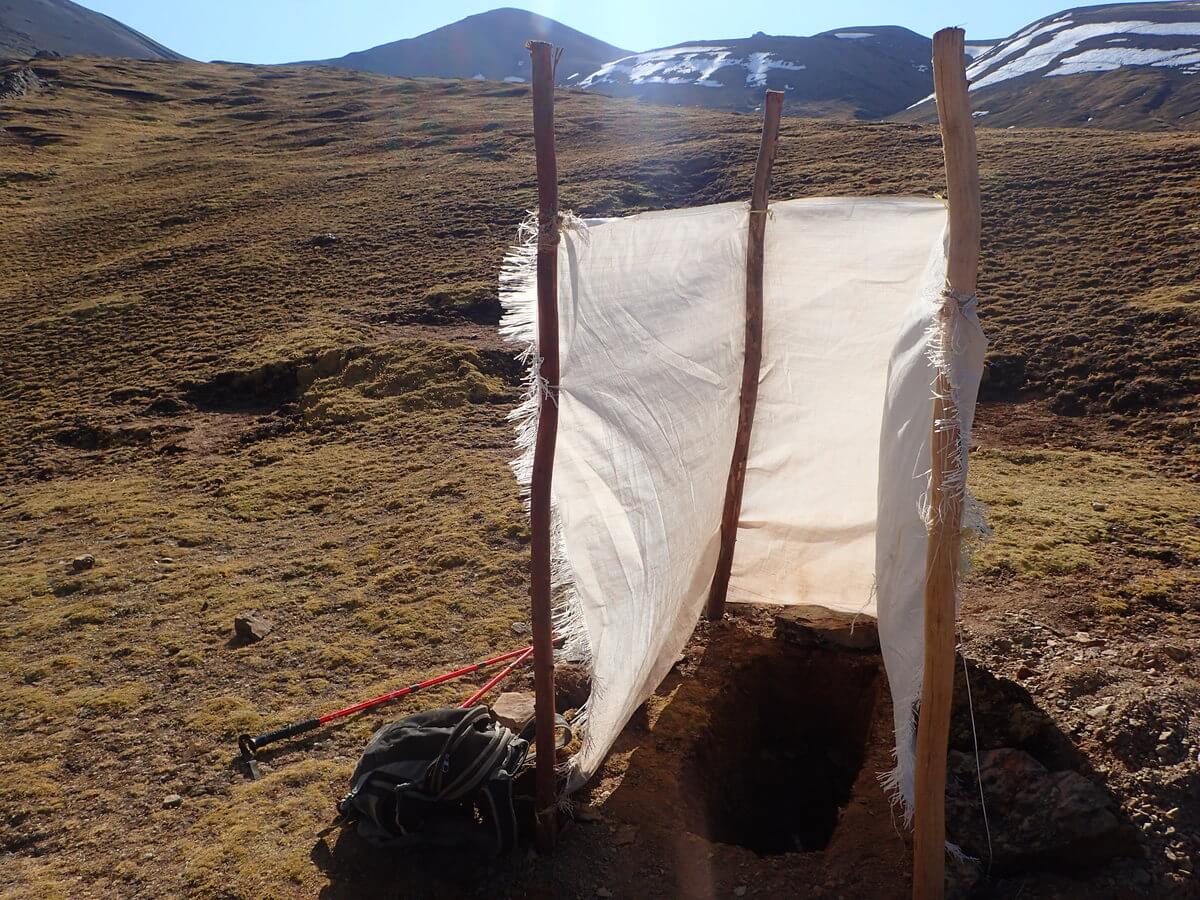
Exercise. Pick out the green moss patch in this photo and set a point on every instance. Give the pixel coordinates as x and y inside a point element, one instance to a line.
<point>1055,512</point>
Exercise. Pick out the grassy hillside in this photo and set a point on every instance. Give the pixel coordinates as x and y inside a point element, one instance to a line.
<point>248,362</point>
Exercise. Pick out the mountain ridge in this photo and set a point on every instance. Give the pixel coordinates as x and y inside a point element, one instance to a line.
<point>859,72</point>
<point>486,46</point>
<point>68,29</point>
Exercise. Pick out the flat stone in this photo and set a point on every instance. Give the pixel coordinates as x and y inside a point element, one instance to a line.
<point>251,628</point>
<point>172,801</point>
<point>513,709</point>
<point>815,626</point>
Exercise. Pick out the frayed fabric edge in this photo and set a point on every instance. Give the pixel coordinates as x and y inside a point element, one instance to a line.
<point>943,337</point>
<point>518,325</point>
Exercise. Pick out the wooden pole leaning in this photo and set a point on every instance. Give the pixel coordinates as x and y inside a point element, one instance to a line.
<point>772,109</point>
<point>941,567</point>
<point>543,58</point>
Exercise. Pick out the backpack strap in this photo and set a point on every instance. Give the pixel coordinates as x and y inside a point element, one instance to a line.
<point>437,768</point>
<point>497,800</point>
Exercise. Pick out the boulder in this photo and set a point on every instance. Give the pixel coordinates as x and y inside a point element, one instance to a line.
<point>1038,818</point>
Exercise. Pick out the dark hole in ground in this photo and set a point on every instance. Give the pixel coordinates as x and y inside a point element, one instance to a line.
<point>776,766</point>
<point>255,390</point>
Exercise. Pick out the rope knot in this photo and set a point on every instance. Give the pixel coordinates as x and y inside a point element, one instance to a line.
<point>548,231</point>
<point>964,301</point>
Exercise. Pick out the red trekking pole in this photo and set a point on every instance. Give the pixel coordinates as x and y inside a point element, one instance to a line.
<point>497,678</point>
<point>251,745</point>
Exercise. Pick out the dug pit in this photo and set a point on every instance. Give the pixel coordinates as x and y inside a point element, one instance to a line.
<point>777,763</point>
<point>759,745</point>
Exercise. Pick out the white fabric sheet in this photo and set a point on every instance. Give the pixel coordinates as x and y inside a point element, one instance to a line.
<point>651,343</point>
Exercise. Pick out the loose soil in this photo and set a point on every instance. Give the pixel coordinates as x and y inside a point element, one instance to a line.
<point>232,411</point>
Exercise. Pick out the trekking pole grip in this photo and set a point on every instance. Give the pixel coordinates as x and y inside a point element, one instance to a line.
<point>249,744</point>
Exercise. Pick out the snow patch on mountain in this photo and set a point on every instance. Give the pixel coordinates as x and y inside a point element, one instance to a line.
<point>695,64</point>
<point>1057,47</point>
<point>760,64</point>
<point>1065,40</point>
<point>674,65</point>
<point>1105,59</point>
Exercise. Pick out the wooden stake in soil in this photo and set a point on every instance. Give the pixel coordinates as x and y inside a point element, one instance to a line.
<point>547,434</point>
<point>941,566</point>
<point>753,358</point>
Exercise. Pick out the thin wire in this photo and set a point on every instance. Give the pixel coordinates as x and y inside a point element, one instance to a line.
<point>978,771</point>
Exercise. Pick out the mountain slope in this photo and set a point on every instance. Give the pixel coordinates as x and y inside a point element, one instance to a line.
<point>489,46</point>
<point>60,26</point>
<point>866,72</point>
<point>1122,65</point>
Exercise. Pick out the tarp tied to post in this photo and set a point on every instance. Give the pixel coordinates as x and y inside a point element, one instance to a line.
<point>651,340</point>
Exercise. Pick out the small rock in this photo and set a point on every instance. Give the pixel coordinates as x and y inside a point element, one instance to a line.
<point>1082,637</point>
<point>172,801</point>
<point>1024,671</point>
<point>603,892</point>
<point>513,709</point>
<point>1098,711</point>
<point>1166,736</point>
<point>1099,507</point>
<point>250,628</point>
<point>83,563</point>
<point>324,240</point>
<point>519,628</point>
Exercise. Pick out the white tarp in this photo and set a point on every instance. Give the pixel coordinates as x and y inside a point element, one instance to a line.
<point>651,333</point>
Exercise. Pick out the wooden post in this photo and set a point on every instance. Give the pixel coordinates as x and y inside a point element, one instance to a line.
<point>941,566</point>
<point>547,433</point>
<point>753,355</point>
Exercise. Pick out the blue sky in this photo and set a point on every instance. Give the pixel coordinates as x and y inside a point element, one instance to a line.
<point>271,31</point>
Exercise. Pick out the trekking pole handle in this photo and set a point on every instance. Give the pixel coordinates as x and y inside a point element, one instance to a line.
<point>249,744</point>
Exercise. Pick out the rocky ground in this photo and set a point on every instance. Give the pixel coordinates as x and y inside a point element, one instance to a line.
<point>248,365</point>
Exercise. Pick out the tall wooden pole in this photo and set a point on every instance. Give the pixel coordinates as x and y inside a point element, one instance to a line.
<point>941,566</point>
<point>547,433</point>
<point>732,510</point>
